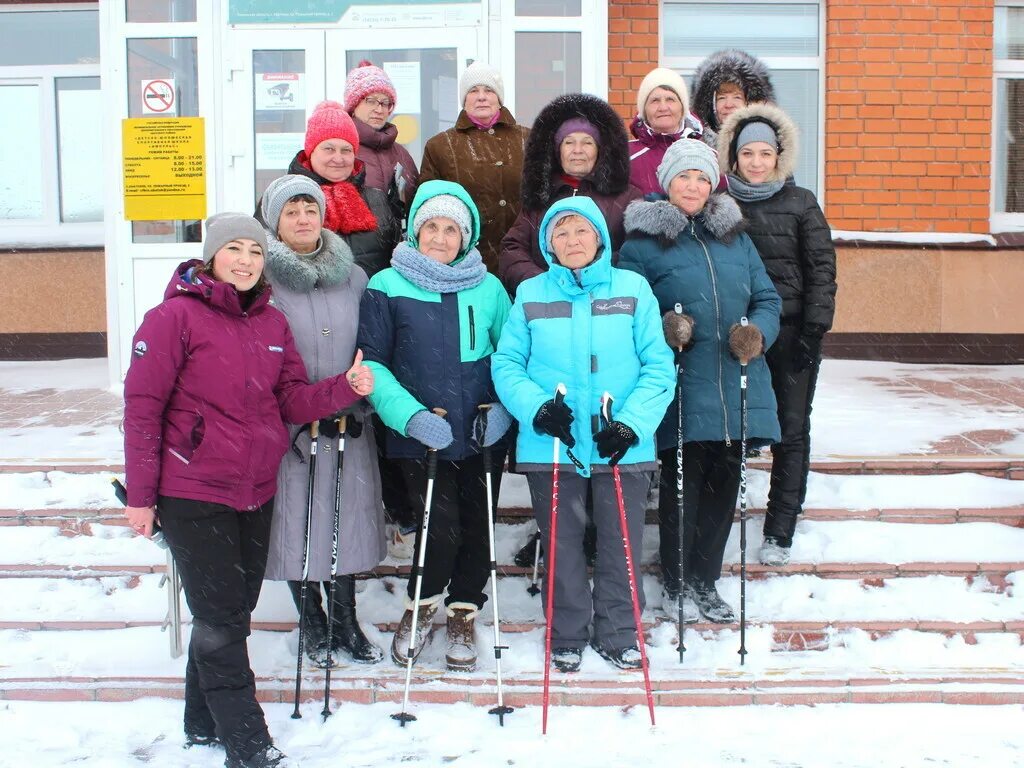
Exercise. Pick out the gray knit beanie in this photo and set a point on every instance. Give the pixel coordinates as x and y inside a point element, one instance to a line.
<point>479,73</point>
<point>686,155</point>
<point>449,206</point>
<point>222,228</point>
<point>757,131</point>
<point>283,189</point>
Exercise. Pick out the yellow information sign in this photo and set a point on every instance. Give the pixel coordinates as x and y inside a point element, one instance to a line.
<point>164,160</point>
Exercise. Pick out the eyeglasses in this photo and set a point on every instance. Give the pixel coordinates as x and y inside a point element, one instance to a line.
<point>384,104</point>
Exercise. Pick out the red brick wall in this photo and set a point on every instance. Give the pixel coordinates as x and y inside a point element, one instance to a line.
<point>908,115</point>
<point>633,44</point>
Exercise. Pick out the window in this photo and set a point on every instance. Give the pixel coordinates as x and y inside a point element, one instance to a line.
<point>787,37</point>
<point>1008,138</point>
<point>51,156</point>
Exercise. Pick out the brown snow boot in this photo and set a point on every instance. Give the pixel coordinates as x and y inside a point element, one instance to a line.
<point>461,654</point>
<point>424,629</point>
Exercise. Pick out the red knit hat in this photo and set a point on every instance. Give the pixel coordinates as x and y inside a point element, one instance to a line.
<point>330,121</point>
<point>364,80</point>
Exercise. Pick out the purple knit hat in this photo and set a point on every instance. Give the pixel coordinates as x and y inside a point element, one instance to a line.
<point>577,125</point>
<point>364,80</point>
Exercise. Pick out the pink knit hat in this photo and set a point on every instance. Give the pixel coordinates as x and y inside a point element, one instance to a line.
<point>364,80</point>
<point>330,121</point>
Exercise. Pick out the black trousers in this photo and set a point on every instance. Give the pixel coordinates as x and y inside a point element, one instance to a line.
<point>392,481</point>
<point>791,458</point>
<point>711,480</point>
<point>221,555</point>
<point>457,554</point>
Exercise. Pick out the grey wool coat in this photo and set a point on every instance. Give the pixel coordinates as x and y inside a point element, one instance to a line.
<point>320,295</point>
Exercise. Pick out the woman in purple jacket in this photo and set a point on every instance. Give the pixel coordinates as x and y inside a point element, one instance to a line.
<point>214,377</point>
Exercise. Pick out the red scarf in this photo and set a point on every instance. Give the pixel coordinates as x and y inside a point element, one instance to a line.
<point>347,211</point>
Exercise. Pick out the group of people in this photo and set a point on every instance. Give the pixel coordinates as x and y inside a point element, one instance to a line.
<point>381,310</point>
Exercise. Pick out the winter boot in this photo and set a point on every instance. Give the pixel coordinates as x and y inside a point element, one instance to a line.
<point>670,605</point>
<point>346,634</point>
<point>424,629</point>
<point>461,653</point>
<point>773,553</point>
<point>566,659</point>
<point>526,556</point>
<point>269,757</point>
<point>314,624</point>
<point>623,658</point>
<point>401,542</point>
<point>710,604</point>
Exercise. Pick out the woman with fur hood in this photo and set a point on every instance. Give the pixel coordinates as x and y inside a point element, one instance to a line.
<point>693,253</point>
<point>726,81</point>
<point>318,287</point>
<point>758,149</point>
<point>577,146</point>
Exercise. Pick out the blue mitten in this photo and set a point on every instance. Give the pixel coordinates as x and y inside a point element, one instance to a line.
<point>430,429</point>
<point>498,422</point>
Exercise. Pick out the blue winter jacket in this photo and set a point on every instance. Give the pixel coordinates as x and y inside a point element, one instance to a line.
<point>597,332</point>
<point>713,270</point>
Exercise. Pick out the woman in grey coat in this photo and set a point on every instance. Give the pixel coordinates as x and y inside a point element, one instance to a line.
<point>318,287</point>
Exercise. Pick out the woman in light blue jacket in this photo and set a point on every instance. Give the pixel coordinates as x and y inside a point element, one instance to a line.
<point>596,329</point>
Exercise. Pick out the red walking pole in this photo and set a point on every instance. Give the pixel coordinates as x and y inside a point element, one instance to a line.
<point>606,416</point>
<point>550,607</point>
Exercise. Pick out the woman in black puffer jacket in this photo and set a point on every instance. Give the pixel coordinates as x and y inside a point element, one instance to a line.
<point>757,148</point>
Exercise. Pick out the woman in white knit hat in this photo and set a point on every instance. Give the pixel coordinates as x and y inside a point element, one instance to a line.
<point>483,152</point>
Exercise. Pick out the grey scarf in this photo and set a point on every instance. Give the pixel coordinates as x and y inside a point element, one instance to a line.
<point>329,265</point>
<point>423,272</point>
<point>751,193</point>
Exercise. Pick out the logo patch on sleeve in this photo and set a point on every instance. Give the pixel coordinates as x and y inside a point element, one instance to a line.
<point>140,349</point>
<point>275,349</point>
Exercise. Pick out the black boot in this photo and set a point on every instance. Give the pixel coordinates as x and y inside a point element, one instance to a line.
<point>347,635</point>
<point>314,629</point>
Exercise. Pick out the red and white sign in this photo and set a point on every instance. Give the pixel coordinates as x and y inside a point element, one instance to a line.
<point>278,91</point>
<point>158,97</point>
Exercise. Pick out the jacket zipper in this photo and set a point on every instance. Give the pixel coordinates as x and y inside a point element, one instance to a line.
<point>472,329</point>
<point>718,332</point>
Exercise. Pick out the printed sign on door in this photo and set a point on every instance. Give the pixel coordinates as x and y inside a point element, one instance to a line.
<point>158,97</point>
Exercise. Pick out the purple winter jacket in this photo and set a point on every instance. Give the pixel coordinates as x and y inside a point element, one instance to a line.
<point>380,152</point>
<point>207,394</point>
<point>647,148</point>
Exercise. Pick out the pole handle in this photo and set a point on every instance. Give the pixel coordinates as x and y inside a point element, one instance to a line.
<point>342,423</point>
<point>314,429</point>
<point>606,408</point>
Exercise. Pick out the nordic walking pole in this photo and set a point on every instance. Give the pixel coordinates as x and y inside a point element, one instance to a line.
<point>501,710</point>
<point>550,566</point>
<point>679,488</point>
<point>342,425</point>
<point>404,717</point>
<point>743,505</point>
<point>314,433</point>
<point>606,418</point>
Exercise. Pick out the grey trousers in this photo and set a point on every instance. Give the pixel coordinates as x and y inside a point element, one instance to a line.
<point>608,606</point>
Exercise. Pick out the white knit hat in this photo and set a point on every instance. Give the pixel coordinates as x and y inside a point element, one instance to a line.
<point>479,73</point>
<point>450,207</point>
<point>662,77</point>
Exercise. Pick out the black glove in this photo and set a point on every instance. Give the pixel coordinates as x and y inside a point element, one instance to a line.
<point>614,440</point>
<point>555,419</point>
<point>329,427</point>
<point>807,351</point>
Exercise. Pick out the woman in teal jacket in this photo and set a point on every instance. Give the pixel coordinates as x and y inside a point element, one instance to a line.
<point>428,326</point>
<point>596,329</point>
<point>691,251</point>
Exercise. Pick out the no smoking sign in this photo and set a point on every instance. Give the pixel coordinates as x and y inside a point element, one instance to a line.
<point>158,97</point>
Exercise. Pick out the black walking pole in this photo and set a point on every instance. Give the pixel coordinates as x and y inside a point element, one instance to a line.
<point>314,432</point>
<point>679,490</point>
<point>743,506</point>
<point>342,424</point>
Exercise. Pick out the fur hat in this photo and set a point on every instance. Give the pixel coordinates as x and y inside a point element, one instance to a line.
<point>479,73</point>
<point>685,155</point>
<point>283,189</point>
<point>662,77</point>
<point>450,207</point>
<point>330,121</point>
<point>364,80</point>
<point>729,66</point>
<point>222,228</point>
<point>772,117</point>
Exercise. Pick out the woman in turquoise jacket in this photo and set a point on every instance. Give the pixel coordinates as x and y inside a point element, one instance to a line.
<point>692,252</point>
<point>428,326</point>
<point>595,329</point>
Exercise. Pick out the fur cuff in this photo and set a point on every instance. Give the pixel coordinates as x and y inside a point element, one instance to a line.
<point>474,610</point>
<point>425,602</point>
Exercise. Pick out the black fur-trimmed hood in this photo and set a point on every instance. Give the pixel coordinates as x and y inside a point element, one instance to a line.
<point>783,125</point>
<point>721,217</point>
<point>540,161</point>
<point>728,66</point>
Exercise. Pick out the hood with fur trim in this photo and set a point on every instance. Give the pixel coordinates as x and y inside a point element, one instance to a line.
<point>728,66</point>
<point>780,122</point>
<point>541,162</point>
<point>721,217</point>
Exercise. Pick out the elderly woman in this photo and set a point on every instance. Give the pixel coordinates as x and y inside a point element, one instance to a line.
<point>596,329</point>
<point>663,117</point>
<point>483,153</point>
<point>215,375</point>
<point>577,147</point>
<point>758,149</point>
<point>370,99</point>
<point>690,249</point>
<point>429,325</point>
<point>726,81</point>
<point>318,287</point>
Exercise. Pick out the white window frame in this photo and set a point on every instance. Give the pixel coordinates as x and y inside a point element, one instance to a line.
<point>686,65</point>
<point>48,230</point>
<point>1002,69</point>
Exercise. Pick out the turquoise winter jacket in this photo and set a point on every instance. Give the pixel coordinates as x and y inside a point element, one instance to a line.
<point>597,332</point>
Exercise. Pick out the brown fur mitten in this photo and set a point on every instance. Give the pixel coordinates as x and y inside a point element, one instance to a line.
<point>678,330</point>
<point>745,342</point>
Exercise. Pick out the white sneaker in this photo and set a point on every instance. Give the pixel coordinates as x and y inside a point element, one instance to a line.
<point>401,546</point>
<point>670,605</point>
<point>773,553</point>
